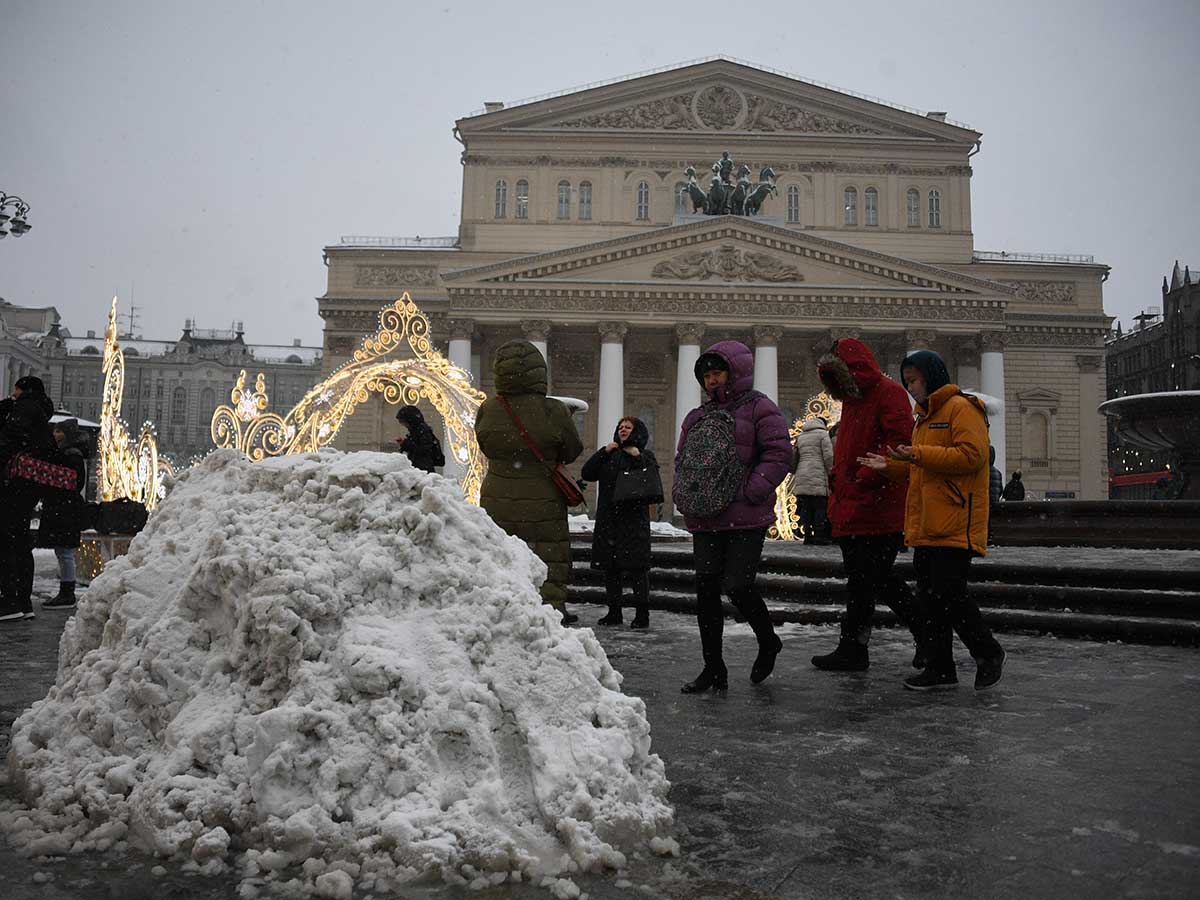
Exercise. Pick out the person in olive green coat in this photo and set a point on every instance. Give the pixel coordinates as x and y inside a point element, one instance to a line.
<point>518,492</point>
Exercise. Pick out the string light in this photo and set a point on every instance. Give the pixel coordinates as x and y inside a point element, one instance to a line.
<point>787,518</point>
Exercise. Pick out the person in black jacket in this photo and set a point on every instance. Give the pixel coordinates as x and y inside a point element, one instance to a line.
<point>621,539</point>
<point>26,427</point>
<point>1014,491</point>
<point>62,511</point>
<point>420,445</point>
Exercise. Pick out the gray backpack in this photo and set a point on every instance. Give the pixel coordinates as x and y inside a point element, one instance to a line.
<point>710,472</point>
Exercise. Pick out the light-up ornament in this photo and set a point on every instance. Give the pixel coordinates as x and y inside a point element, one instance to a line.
<point>381,365</point>
<point>127,468</point>
<point>787,518</point>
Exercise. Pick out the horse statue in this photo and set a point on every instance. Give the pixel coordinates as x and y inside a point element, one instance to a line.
<point>718,196</point>
<point>737,198</point>
<point>695,194</point>
<point>765,188</point>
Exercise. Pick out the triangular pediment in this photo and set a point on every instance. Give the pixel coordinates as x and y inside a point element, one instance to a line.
<point>725,252</point>
<point>717,96</point>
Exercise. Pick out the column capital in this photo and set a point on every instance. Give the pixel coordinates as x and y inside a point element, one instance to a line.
<point>920,338</point>
<point>535,329</point>
<point>1088,363</point>
<point>689,333</point>
<point>767,335</point>
<point>966,351</point>
<point>612,332</point>
<point>461,329</point>
<point>993,341</point>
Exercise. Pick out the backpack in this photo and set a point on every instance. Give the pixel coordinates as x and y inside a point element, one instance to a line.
<point>710,472</point>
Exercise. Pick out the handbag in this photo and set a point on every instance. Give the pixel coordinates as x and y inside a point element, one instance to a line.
<point>121,516</point>
<point>25,466</point>
<point>638,486</point>
<point>562,479</point>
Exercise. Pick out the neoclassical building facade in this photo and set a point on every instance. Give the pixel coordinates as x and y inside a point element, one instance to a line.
<point>575,235</point>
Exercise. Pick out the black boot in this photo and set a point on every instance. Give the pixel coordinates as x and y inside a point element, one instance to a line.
<point>751,604</point>
<point>641,618</point>
<point>65,599</point>
<point>711,620</point>
<point>850,656</point>
<point>614,616</point>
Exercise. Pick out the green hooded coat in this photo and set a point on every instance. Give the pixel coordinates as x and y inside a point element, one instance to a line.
<point>518,492</point>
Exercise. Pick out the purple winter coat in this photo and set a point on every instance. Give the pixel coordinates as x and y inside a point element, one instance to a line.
<point>763,444</point>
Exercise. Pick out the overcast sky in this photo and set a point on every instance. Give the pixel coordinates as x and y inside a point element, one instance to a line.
<point>197,156</point>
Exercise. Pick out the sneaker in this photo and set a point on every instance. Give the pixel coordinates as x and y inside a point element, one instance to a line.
<point>989,670</point>
<point>613,618</point>
<point>56,603</point>
<point>29,614</point>
<point>850,656</point>
<point>10,615</point>
<point>930,680</point>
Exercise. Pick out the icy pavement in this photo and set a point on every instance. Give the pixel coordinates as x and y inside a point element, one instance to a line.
<point>1076,777</point>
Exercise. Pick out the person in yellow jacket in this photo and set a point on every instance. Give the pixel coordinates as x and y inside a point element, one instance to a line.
<point>946,519</point>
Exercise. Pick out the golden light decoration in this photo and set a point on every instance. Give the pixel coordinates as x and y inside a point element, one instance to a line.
<point>787,518</point>
<point>127,468</point>
<point>314,422</point>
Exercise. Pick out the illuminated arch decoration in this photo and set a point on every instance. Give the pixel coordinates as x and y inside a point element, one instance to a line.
<point>127,468</point>
<point>787,518</point>
<point>314,422</point>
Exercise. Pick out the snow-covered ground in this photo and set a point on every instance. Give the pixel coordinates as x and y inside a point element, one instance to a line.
<point>331,672</point>
<point>586,525</point>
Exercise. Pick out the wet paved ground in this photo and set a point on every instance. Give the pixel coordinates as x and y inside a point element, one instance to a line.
<point>1078,776</point>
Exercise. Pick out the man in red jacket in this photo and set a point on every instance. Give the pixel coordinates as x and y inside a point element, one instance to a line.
<point>866,509</point>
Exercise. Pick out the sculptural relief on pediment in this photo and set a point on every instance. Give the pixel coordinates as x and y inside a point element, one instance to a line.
<point>395,276</point>
<point>767,114</point>
<point>728,263</point>
<point>671,113</point>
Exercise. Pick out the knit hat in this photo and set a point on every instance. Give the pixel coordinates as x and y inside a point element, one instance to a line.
<point>31,384</point>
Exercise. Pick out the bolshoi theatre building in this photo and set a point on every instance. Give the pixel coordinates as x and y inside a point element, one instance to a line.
<point>579,233</point>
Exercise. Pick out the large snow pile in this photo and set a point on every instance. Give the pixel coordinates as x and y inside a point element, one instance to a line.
<point>333,661</point>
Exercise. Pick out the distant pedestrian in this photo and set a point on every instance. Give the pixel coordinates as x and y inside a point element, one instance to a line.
<point>1014,491</point>
<point>947,517</point>
<point>810,483</point>
<point>733,452</point>
<point>420,444</point>
<point>865,508</point>
<point>995,490</point>
<point>621,537</point>
<point>518,490</point>
<point>61,519</point>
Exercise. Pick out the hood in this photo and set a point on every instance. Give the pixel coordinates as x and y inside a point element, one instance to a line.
<point>932,368</point>
<point>739,360</point>
<point>519,368</point>
<point>849,369</point>
<point>639,437</point>
<point>944,393</point>
<point>410,416</point>
<point>814,424</point>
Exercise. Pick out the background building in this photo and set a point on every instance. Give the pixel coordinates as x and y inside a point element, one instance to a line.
<point>22,329</point>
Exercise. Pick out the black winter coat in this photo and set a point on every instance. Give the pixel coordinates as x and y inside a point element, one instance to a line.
<point>25,426</point>
<point>621,541</point>
<point>62,516</point>
<point>421,445</point>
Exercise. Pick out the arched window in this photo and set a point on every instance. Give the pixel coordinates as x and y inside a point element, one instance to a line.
<point>585,200</point>
<point>793,204</point>
<point>871,207</point>
<point>179,406</point>
<point>935,209</point>
<point>914,208</point>
<point>564,199</point>
<point>643,200</point>
<point>501,199</point>
<point>522,210</point>
<point>90,350</point>
<point>850,204</point>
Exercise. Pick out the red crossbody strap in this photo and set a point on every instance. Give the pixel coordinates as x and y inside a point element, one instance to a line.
<point>521,428</point>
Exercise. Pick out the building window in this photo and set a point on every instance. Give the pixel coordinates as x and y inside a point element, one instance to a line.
<point>564,199</point>
<point>66,385</point>
<point>179,406</point>
<point>871,207</point>
<point>208,403</point>
<point>935,209</point>
<point>522,210</point>
<point>501,199</point>
<point>914,208</point>
<point>585,200</point>
<point>643,201</point>
<point>158,391</point>
<point>850,206</point>
<point>682,201</point>
<point>793,205</point>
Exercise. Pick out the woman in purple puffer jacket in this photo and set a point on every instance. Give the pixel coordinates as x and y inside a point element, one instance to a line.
<point>727,546</point>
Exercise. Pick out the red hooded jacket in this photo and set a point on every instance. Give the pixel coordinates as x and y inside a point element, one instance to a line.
<point>862,500</point>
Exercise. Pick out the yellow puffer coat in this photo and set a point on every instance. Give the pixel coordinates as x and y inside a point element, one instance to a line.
<point>947,504</point>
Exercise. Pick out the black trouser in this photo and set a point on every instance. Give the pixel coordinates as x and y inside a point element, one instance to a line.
<point>812,516</point>
<point>639,580</point>
<point>945,604</point>
<point>869,561</point>
<point>727,561</point>
<point>16,548</point>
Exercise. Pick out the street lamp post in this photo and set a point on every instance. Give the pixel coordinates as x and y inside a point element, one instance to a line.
<point>14,224</point>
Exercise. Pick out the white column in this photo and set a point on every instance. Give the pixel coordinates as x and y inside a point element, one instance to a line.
<point>766,360</point>
<point>991,382</point>
<point>1093,446</point>
<point>537,332</point>
<point>611,403</point>
<point>687,388</point>
<point>459,354</point>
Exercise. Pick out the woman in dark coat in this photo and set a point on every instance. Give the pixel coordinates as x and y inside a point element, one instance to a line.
<point>621,540</point>
<point>518,491</point>
<point>62,511</point>
<point>420,445</point>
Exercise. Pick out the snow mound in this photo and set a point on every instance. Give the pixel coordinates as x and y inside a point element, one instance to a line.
<point>334,662</point>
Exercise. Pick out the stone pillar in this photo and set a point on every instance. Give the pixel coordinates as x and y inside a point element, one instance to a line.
<point>966,354</point>
<point>687,388</point>
<point>537,332</point>
<point>766,360</point>
<point>611,403</point>
<point>459,353</point>
<point>1093,444</point>
<point>919,339</point>
<point>991,382</point>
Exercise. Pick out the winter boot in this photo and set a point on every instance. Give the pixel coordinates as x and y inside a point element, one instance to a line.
<point>850,656</point>
<point>711,620</point>
<point>65,599</point>
<point>641,618</point>
<point>751,604</point>
<point>931,680</point>
<point>614,616</point>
